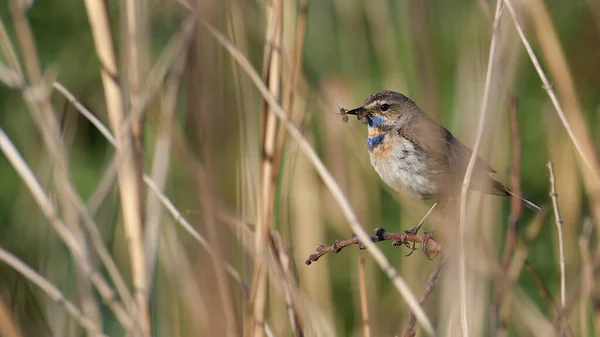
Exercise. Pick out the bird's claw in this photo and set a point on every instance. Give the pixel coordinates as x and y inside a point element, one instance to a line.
<point>425,240</point>
<point>411,247</point>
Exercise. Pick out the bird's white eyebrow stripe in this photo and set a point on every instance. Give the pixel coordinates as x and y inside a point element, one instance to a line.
<point>373,104</point>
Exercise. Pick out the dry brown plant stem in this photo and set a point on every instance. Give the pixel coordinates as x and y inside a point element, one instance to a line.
<point>178,217</point>
<point>8,323</point>
<point>576,293</point>
<point>160,163</point>
<point>136,51</point>
<point>505,289</point>
<point>95,236</point>
<point>547,295</point>
<point>290,94</point>
<point>429,288</point>
<point>364,304</point>
<point>561,248</point>
<point>8,51</point>
<point>52,291</point>
<point>284,263</point>
<point>129,179</point>
<point>258,296</point>
<point>501,301</point>
<point>462,265</point>
<point>558,67</point>
<point>288,98</point>
<point>429,245</point>
<point>542,287</point>
<point>49,210</point>
<point>157,190</point>
<point>580,138</point>
<point>207,189</point>
<point>587,277</point>
<point>36,95</point>
<point>55,146</point>
<point>327,178</point>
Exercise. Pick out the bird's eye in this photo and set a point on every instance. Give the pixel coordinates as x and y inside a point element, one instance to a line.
<point>384,107</point>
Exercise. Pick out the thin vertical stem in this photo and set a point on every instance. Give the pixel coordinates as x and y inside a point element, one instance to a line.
<point>364,308</point>
<point>38,100</point>
<point>467,180</point>
<point>579,145</point>
<point>52,291</point>
<point>272,72</point>
<point>129,179</point>
<point>8,322</point>
<point>429,288</point>
<point>561,248</point>
<point>587,276</point>
<point>75,247</point>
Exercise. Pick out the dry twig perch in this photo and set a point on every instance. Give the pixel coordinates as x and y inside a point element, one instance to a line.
<point>429,245</point>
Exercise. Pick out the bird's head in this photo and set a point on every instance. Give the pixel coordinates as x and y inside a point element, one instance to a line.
<point>385,109</point>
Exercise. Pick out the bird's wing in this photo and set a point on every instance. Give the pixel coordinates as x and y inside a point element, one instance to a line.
<point>446,154</point>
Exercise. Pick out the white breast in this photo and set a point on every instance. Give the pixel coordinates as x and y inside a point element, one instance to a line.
<point>402,167</point>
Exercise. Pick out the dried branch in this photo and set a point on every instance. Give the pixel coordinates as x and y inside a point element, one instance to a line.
<point>289,94</point>
<point>575,294</point>
<point>178,217</point>
<point>501,307</point>
<point>36,95</point>
<point>75,247</point>
<point>429,288</point>
<point>587,278</point>
<point>52,291</point>
<point>172,52</point>
<point>161,161</point>
<point>510,244</point>
<point>546,294</point>
<point>94,234</point>
<point>286,270</point>
<point>10,55</point>
<point>272,77</point>
<point>8,322</point>
<point>583,146</point>
<point>462,265</point>
<point>428,244</point>
<point>364,308</point>
<point>559,222</point>
<point>130,181</point>
<point>539,281</point>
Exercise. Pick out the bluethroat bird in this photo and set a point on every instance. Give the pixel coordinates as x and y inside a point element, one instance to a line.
<point>415,155</point>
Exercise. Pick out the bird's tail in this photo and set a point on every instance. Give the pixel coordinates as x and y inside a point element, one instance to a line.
<point>500,189</point>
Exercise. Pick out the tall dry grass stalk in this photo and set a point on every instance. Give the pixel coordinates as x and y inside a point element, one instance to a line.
<point>272,76</point>
<point>128,169</point>
<point>364,304</point>
<point>85,321</point>
<point>70,240</point>
<point>469,172</point>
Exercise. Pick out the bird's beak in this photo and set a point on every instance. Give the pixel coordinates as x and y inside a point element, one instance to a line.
<point>362,115</point>
<point>358,112</point>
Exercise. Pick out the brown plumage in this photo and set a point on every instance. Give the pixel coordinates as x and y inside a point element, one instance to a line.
<point>425,160</point>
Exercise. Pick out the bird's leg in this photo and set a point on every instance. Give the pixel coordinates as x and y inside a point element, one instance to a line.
<point>415,229</point>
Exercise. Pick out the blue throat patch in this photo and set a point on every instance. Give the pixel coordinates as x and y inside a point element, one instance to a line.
<point>375,121</point>
<point>372,142</point>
